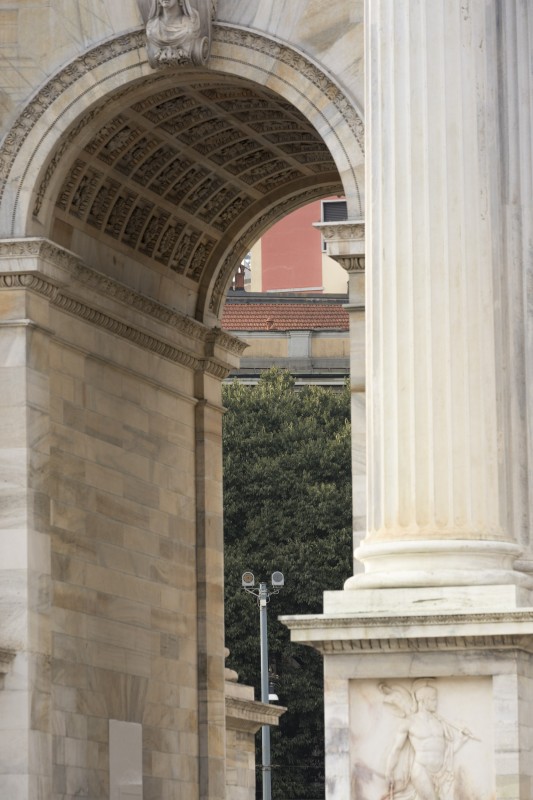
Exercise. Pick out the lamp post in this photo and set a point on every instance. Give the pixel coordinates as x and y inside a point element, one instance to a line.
<point>262,594</point>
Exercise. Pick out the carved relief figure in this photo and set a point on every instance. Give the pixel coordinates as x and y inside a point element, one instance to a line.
<point>420,765</point>
<point>177,31</point>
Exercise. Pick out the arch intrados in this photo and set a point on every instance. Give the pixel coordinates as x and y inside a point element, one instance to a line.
<point>54,127</point>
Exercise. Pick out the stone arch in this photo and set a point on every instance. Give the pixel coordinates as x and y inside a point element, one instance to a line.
<point>58,125</point>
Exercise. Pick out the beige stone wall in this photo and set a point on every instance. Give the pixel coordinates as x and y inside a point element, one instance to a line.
<point>123,563</point>
<point>111,535</point>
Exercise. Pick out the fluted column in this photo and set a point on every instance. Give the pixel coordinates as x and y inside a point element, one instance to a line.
<point>436,494</point>
<point>515,35</point>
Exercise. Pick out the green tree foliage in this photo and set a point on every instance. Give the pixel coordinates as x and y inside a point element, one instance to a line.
<point>287,506</point>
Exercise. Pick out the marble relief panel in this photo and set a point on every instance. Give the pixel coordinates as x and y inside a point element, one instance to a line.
<point>427,739</point>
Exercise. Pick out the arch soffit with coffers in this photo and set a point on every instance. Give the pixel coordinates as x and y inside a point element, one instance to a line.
<point>42,145</point>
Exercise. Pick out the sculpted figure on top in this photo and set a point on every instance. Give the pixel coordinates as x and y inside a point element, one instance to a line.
<point>178,31</point>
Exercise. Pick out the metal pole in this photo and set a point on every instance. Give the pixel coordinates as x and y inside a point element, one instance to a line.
<point>265,730</point>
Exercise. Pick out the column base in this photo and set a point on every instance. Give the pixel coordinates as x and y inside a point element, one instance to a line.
<point>439,563</point>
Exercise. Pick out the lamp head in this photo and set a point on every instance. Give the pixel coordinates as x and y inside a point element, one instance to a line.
<point>277,580</point>
<point>248,580</point>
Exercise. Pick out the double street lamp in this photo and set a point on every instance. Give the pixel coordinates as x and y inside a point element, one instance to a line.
<point>262,593</point>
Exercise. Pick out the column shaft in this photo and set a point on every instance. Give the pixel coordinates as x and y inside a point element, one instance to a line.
<point>436,372</point>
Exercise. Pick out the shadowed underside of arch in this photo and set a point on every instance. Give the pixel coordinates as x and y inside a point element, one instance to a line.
<point>176,174</point>
<point>183,170</point>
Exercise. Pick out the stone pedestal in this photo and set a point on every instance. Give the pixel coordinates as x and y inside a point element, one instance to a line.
<point>449,692</point>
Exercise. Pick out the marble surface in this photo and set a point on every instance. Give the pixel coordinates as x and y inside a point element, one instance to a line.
<point>425,734</point>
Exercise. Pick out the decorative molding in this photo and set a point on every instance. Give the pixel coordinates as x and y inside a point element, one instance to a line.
<point>261,713</point>
<point>350,263</point>
<point>432,632</point>
<point>232,344</point>
<point>278,51</point>
<point>125,331</point>
<point>215,368</point>
<point>341,231</point>
<point>27,280</point>
<point>421,644</point>
<point>362,622</point>
<point>38,248</point>
<point>106,286</point>
<point>54,88</point>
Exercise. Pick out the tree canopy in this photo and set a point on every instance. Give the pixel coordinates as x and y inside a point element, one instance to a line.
<point>287,506</point>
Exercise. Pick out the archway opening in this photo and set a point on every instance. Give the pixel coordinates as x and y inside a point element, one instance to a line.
<point>173,181</point>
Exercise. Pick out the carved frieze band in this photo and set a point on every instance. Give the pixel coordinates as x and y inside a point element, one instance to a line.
<point>343,231</point>
<point>38,248</point>
<point>430,644</point>
<point>104,285</point>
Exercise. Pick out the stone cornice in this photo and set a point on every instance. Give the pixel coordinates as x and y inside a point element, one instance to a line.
<point>64,298</point>
<point>360,621</point>
<point>111,288</point>
<point>251,714</point>
<point>508,630</point>
<point>421,644</point>
<point>38,248</point>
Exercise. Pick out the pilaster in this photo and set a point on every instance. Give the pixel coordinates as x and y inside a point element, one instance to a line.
<point>25,563</point>
<point>210,566</point>
<point>345,243</point>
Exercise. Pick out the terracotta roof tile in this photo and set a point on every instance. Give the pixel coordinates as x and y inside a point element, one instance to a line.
<point>284,317</point>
